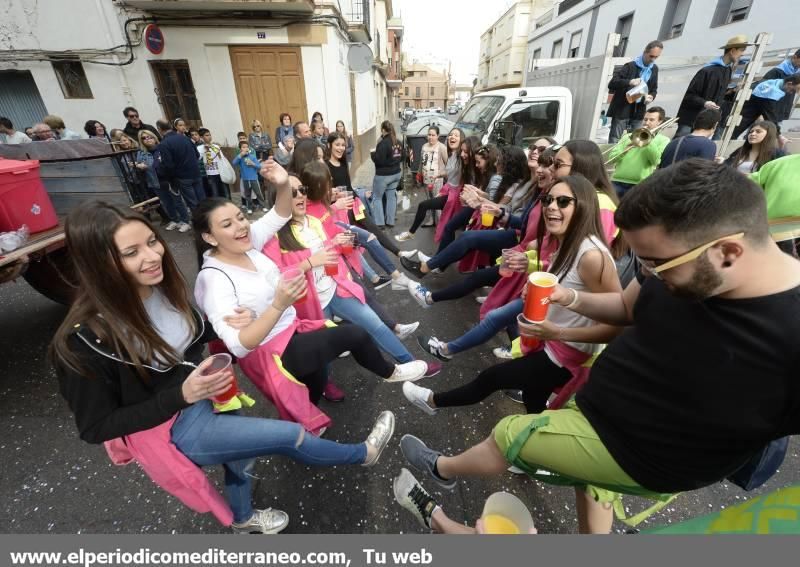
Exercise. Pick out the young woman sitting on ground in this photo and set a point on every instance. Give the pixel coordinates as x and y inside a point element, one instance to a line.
<point>128,358</point>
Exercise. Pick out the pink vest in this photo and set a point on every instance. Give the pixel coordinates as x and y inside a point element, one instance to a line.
<point>451,208</point>
<point>170,469</point>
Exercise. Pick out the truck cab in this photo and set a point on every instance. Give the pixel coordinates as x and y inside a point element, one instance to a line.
<point>518,116</point>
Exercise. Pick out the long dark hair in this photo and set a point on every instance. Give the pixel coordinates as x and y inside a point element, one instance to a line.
<point>201,224</point>
<point>305,151</point>
<point>388,127</point>
<point>766,150</point>
<point>490,154</point>
<point>316,177</point>
<point>468,168</point>
<point>587,160</point>
<point>461,140</point>
<point>332,137</point>
<point>108,300</point>
<point>585,222</point>
<point>545,159</point>
<point>515,169</point>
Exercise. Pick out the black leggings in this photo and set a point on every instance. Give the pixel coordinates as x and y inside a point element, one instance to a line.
<point>535,375</point>
<point>308,354</point>
<point>367,224</point>
<point>435,204</point>
<point>475,280</point>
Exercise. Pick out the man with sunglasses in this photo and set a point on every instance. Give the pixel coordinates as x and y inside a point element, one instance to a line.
<point>135,124</point>
<point>702,379</point>
<point>633,164</point>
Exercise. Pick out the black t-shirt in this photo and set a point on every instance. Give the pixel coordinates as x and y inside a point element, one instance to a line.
<point>684,397</point>
<point>340,174</point>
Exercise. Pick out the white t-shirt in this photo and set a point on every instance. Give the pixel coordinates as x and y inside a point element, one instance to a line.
<point>168,323</point>
<point>217,293</point>
<point>325,285</point>
<point>17,138</point>
<point>211,157</point>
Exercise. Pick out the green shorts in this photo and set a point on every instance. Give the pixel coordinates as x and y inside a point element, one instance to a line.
<point>561,447</point>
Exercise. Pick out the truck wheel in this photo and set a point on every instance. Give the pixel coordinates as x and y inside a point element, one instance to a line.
<point>51,275</point>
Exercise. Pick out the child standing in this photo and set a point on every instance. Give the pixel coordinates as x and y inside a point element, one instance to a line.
<point>248,166</point>
<point>211,154</point>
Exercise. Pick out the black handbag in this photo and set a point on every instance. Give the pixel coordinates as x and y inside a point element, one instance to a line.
<point>761,466</point>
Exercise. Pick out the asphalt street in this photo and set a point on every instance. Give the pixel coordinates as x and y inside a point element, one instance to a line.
<point>55,483</point>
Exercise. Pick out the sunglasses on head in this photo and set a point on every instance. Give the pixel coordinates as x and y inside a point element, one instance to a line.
<point>482,151</point>
<point>301,190</point>
<point>562,201</point>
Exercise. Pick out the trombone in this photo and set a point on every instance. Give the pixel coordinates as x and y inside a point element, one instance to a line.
<point>641,137</point>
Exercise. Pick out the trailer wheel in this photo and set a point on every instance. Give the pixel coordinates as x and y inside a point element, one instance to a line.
<point>52,276</point>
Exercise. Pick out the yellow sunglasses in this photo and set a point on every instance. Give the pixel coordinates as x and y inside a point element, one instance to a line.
<point>650,265</point>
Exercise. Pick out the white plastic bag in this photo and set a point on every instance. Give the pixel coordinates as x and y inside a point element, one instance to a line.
<point>406,203</point>
<point>226,172</point>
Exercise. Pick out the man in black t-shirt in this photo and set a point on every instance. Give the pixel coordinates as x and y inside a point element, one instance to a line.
<point>703,377</point>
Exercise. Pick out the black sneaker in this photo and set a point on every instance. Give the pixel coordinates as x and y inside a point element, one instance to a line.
<point>514,396</point>
<point>382,282</point>
<point>433,346</point>
<point>413,266</point>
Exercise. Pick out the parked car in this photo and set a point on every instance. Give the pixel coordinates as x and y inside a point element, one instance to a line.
<point>453,109</point>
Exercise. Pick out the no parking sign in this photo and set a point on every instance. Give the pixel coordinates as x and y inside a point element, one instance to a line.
<point>153,39</point>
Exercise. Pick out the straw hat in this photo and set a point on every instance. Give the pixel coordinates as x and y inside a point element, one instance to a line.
<point>737,41</point>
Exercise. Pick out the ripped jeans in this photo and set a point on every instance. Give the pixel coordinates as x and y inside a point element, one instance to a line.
<point>234,441</point>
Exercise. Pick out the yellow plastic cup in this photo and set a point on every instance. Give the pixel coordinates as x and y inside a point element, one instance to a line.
<point>504,513</point>
<point>487,219</point>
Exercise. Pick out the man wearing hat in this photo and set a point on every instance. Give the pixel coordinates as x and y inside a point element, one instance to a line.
<point>709,84</point>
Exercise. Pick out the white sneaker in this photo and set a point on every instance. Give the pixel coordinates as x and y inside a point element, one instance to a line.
<point>503,353</point>
<point>481,299</point>
<point>184,227</point>
<point>420,294</point>
<point>171,225</point>
<point>408,372</point>
<point>419,397</point>
<point>401,282</point>
<point>405,331</point>
<point>407,253</point>
<point>423,257</point>
<point>267,521</point>
<point>403,236</point>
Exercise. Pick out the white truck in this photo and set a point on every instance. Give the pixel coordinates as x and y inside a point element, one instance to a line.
<point>518,116</point>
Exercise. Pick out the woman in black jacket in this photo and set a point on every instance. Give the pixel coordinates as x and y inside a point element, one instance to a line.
<point>128,360</point>
<point>387,157</point>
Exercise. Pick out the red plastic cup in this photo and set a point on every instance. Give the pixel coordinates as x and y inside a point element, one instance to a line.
<point>528,341</point>
<point>332,269</point>
<point>220,362</point>
<point>348,247</point>
<point>540,288</point>
<point>292,274</point>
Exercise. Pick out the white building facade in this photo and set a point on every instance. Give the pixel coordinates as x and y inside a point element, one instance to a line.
<point>579,28</point>
<point>503,46</point>
<point>219,64</point>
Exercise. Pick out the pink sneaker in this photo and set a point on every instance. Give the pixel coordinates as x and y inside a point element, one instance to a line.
<point>433,368</point>
<point>333,393</point>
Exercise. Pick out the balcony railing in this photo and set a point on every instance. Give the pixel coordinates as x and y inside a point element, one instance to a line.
<point>299,6</point>
<point>356,13</point>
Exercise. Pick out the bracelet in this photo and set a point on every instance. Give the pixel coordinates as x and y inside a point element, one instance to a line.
<point>310,265</point>
<point>574,301</point>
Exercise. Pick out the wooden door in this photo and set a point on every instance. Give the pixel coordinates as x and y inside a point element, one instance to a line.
<point>269,81</point>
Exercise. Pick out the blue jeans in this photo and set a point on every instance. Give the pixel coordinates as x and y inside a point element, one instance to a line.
<point>380,185</point>
<point>369,273</point>
<point>361,314</point>
<point>191,190</point>
<point>208,438</point>
<point>371,243</point>
<point>457,222</point>
<point>504,317</point>
<point>491,241</point>
<point>362,194</point>
<point>173,205</point>
<point>622,188</point>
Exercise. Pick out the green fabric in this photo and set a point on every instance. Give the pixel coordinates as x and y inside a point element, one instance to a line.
<point>561,447</point>
<point>780,180</point>
<point>639,163</point>
<point>774,513</point>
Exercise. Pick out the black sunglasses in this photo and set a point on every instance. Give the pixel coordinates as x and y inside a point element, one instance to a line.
<point>562,200</point>
<point>133,116</point>
<point>302,190</point>
<point>539,149</point>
